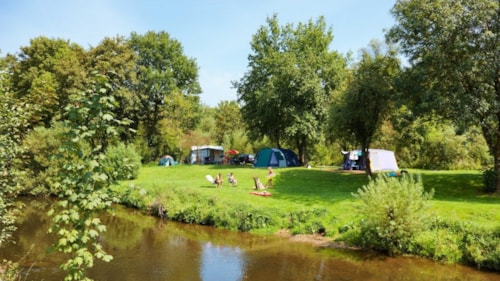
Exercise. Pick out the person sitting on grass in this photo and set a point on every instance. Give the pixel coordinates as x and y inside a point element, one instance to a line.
<point>270,176</point>
<point>218,180</point>
<point>232,180</point>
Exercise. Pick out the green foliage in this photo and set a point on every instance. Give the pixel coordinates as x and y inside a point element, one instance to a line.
<point>227,120</point>
<point>490,180</point>
<point>116,58</point>
<point>83,187</point>
<point>443,149</point>
<point>47,73</point>
<point>452,47</point>
<point>292,73</point>
<point>307,221</point>
<point>324,154</point>
<point>9,271</point>
<point>463,242</point>
<point>190,206</point>
<point>368,99</point>
<point>41,164</point>
<point>121,162</point>
<point>437,244</point>
<point>392,211</point>
<point>13,123</point>
<point>168,89</point>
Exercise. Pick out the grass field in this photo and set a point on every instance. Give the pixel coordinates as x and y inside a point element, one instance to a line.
<point>458,194</point>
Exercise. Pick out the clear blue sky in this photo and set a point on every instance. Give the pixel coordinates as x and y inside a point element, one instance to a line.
<point>216,33</point>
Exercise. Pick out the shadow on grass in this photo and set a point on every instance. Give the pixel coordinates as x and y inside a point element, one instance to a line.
<point>311,186</point>
<point>466,186</point>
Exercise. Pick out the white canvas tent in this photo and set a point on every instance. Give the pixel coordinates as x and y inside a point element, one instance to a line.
<point>207,154</point>
<point>380,160</point>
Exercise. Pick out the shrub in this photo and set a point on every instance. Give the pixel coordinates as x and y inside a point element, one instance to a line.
<point>462,242</point>
<point>392,211</point>
<point>307,221</point>
<point>480,246</point>
<point>122,162</point>
<point>438,244</point>
<point>490,180</point>
<point>41,164</point>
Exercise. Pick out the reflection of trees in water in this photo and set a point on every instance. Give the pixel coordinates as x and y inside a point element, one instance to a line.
<point>147,250</point>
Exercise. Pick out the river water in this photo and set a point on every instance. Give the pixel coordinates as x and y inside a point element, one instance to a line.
<point>146,248</point>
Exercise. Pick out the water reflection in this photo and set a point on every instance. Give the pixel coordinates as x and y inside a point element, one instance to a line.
<point>221,263</point>
<point>145,248</point>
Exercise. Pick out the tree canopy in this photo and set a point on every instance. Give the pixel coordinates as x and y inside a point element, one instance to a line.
<point>454,54</point>
<point>368,99</point>
<point>164,74</point>
<point>292,73</point>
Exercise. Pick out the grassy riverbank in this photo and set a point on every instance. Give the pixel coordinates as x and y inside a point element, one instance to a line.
<point>304,201</point>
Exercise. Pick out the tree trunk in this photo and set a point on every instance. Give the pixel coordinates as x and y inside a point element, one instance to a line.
<point>366,160</point>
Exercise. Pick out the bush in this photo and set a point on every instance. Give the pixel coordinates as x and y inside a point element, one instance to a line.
<point>392,211</point>
<point>41,163</point>
<point>307,221</point>
<point>122,162</point>
<point>438,244</point>
<point>462,242</point>
<point>490,180</point>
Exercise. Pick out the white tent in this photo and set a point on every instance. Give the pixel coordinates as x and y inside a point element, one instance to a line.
<point>380,160</point>
<point>207,154</point>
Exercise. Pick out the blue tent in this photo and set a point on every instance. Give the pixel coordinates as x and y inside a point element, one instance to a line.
<point>275,157</point>
<point>167,160</point>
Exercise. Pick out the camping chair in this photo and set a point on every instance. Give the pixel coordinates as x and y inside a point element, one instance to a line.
<point>258,184</point>
<point>213,181</point>
<point>210,179</point>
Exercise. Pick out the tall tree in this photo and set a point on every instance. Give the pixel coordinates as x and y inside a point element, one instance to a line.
<point>13,122</point>
<point>227,120</point>
<point>164,71</point>
<point>14,125</point>
<point>292,73</point>
<point>48,72</point>
<point>368,98</point>
<point>115,58</point>
<point>454,51</point>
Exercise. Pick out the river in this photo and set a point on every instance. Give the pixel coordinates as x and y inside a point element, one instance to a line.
<point>147,248</point>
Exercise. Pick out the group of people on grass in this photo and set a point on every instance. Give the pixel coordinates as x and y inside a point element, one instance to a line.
<point>232,180</point>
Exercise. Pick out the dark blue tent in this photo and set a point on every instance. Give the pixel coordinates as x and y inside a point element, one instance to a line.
<point>275,157</point>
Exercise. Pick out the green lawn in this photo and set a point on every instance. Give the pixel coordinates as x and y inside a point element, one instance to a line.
<point>457,196</point>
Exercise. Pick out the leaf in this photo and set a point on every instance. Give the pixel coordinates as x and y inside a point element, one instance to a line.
<point>107,117</point>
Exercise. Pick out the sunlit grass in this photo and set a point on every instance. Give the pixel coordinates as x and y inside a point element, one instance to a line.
<point>457,194</point>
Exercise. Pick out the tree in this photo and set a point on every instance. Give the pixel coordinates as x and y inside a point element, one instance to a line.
<point>115,58</point>
<point>453,50</point>
<point>164,75</point>
<point>286,92</point>
<point>13,121</point>
<point>227,120</point>
<point>368,98</point>
<point>47,73</point>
